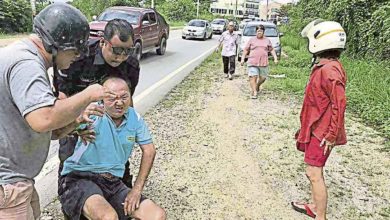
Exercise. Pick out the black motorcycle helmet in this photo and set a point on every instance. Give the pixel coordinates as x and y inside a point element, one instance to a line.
<point>62,27</point>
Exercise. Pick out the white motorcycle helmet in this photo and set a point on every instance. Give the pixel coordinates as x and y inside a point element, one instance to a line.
<point>324,35</point>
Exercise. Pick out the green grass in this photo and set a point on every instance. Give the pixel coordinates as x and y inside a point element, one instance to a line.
<point>368,85</point>
<point>16,35</point>
<point>177,23</point>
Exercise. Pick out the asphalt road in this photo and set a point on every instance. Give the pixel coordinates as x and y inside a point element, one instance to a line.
<point>159,74</point>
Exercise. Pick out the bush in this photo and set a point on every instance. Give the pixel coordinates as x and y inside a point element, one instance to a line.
<point>367,23</point>
<point>15,16</point>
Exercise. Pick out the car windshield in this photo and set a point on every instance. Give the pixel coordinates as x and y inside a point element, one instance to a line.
<point>222,22</point>
<point>269,31</point>
<point>197,23</point>
<point>110,15</point>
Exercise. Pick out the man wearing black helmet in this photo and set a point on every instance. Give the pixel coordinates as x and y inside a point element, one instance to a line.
<point>109,56</point>
<point>30,113</point>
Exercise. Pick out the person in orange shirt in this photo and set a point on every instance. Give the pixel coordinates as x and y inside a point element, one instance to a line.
<point>322,115</point>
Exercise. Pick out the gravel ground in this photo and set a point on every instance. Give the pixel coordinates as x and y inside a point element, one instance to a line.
<point>222,155</point>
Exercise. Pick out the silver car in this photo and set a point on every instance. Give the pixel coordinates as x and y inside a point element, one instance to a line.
<point>200,29</point>
<point>219,25</point>
<point>271,32</point>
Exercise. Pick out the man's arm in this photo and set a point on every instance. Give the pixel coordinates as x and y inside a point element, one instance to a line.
<point>132,200</point>
<point>62,132</point>
<point>65,111</point>
<point>219,43</point>
<point>148,154</point>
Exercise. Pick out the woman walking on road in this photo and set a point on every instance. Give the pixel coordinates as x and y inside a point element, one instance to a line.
<point>258,48</point>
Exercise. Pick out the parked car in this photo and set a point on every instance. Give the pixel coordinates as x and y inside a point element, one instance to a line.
<point>151,31</point>
<point>243,22</point>
<point>271,32</point>
<point>219,25</point>
<point>197,28</point>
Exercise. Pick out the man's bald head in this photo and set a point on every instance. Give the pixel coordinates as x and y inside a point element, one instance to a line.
<point>116,83</point>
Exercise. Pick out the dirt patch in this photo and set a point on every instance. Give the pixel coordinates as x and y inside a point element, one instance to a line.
<point>222,155</point>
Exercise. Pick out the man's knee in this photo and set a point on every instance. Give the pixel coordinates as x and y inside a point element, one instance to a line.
<point>110,215</point>
<point>161,214</point>
<point>314,173</point>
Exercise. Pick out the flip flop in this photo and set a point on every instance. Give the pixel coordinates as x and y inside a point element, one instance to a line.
<point>306,210</point>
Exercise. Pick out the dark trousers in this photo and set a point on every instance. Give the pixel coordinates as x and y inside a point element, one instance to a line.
<point>229,64</point>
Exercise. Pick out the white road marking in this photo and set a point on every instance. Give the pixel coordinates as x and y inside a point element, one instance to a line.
<point>149,90</point>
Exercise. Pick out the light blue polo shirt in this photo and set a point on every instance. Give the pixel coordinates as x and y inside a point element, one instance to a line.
<point>112,147</point>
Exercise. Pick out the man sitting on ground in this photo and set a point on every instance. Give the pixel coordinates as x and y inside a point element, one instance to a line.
<point>90,183</point>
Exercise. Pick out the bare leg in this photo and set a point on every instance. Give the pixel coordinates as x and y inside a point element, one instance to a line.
<point>148,210</point>
<point>97,207</point>
<point>253,84</point>
<point>259,82</point>
<point>319,191</point>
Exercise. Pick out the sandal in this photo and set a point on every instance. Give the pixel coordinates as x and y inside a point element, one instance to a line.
<point>306,210</point>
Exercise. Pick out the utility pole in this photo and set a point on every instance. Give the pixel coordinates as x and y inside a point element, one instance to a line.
<point>197,10</point>
<point>235,11</point>
<point>267,12</point>
<point>152,4</point>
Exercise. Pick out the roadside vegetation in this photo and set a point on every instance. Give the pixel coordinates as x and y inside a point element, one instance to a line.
<point>366,60</point>
<point>16,15</point>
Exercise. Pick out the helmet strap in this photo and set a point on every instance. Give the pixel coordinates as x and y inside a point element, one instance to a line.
<point>55,72</point>
<point>313,60</point>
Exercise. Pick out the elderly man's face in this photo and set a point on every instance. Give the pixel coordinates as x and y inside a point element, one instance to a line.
<point>117,107</point>
<point>231,27</point>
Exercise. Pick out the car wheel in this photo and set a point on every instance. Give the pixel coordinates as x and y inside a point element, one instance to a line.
<point>204,37</point>
<point>211,36</point>
<point>138,51</point>
<point>163,46</point>
<point>182,37</point>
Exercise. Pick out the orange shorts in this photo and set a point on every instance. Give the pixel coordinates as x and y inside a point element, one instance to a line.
<point>314,154</point>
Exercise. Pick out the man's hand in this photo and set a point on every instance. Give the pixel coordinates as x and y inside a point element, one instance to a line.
<point>97,92</point>
<point>242,61</point>
<point>87,135</point>
<point>92,109</point>
<point>276,61</point>
<point>132,201</point>
<point>328,146</point>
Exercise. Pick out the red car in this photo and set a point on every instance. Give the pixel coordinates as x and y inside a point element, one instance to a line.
<point>151,31</point>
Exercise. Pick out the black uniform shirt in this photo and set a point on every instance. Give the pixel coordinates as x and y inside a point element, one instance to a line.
<point>91,69</point>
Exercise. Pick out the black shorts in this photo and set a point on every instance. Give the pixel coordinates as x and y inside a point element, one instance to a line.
<point>76,187</point>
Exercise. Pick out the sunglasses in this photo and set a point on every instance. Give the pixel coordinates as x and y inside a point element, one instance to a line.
<point>121,50</point>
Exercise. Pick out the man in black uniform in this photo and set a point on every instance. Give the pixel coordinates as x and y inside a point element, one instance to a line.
<point>109,56</point>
